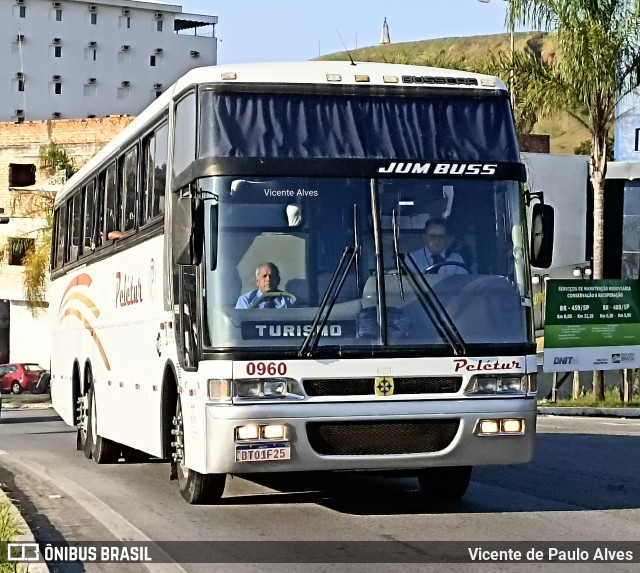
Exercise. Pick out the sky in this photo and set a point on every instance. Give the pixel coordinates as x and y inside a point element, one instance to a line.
<point>296,30</point>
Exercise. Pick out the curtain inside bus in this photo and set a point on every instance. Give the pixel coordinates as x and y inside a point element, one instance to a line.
<point>293,125</point>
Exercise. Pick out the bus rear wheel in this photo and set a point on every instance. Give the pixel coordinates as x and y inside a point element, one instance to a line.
<point>448,483</point>
<point>85,437</point>
<point>102,450</point>
<point>195,488</point>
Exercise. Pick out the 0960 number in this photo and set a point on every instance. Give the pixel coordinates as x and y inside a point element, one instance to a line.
<point>266,368</point>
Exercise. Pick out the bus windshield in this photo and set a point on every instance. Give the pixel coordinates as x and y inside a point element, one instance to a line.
<point>303,226</point>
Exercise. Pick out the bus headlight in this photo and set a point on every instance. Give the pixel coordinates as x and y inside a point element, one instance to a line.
<point>267,388</point>
<point>508,384</point>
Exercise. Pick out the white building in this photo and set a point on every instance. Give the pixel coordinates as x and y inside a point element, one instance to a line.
<point>93,58</point>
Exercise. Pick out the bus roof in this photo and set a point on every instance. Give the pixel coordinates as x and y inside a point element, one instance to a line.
<point>295,73</point>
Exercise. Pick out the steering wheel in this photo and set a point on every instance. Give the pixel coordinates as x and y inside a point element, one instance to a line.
<point>272,294</point>
<point>436,267</point>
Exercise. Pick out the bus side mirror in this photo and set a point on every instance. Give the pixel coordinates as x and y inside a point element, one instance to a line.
<point>187,229</point>
<point>542,222</point>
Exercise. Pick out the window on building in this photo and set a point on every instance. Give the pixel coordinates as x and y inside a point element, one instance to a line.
<point>22,11</point>
<point>57,88</point>
<point>152,60</point>
<point>57,51</point>
<point>20,85</point>
<point>22,174</point>
<point>159,25</point>
<point>94,18</point>
<point>157,93</point>
<point>58,15</point>
<point>17,248</point>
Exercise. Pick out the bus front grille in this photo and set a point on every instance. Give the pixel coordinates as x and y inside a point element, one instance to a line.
<point>366,386</point>
<point>381,438</point>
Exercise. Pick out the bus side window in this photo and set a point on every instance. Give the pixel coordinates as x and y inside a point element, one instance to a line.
<point>61,232</point>
<point>74,217</point>
<point>146,188</point>
<point>111,209</point>
<point>154,175</point>
<point>160,170</point>
<point>97,233</point>
<point>89,215</point>
<point>129,189</point>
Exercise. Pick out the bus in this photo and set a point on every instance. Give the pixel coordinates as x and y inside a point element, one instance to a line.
<point>330,172</point>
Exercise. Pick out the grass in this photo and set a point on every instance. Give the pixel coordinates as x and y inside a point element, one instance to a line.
<point>585,400</point>
<point>8,531</point>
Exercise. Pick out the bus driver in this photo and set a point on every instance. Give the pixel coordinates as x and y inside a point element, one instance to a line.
<point>267,294</point>
<point>434,253</point>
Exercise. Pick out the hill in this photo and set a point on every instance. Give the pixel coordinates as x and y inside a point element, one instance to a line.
<point>468,52</point>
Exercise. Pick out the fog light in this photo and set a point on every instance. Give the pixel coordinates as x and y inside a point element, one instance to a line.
<point>514,426</point>
<point>489,427</point>
<point>274,432</point>
<point>251,432</point>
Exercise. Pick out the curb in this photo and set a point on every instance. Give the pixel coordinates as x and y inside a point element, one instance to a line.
<point>27,406</point>
<point>25,536</point>
<point>591,412</point>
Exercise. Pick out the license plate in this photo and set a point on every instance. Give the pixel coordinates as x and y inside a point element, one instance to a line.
<point>263,453</point>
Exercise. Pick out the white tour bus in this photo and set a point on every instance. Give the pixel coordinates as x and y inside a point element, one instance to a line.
<point>371,359</point>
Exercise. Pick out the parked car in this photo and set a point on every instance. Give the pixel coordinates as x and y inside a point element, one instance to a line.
<point>19,377</point>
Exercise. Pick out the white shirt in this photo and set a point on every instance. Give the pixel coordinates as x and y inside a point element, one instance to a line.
<point>423,258</point>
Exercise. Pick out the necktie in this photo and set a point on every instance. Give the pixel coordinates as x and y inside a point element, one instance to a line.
<point>270,302</point>
<point>437,259</point>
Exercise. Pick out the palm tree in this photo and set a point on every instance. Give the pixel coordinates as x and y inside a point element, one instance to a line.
<point>598,57</point>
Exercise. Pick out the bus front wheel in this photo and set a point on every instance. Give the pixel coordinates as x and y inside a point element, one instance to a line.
<point>195,488</point>
<point>447,483</point>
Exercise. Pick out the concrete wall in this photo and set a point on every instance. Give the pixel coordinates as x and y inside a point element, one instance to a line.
<point>20,143</point>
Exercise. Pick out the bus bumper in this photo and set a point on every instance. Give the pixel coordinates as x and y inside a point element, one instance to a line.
<point>370,435</point>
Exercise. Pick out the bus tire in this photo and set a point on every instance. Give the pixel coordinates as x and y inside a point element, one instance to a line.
<point>105,451</point>
<point>195,488</point>
<point>102,450</point>
<point>446,483</point>
<point>85,430</point>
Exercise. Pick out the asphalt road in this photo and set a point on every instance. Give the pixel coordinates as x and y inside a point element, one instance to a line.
<point>583,486</point>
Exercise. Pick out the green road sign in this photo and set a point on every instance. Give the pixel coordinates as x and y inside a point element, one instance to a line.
<point>592,325</point>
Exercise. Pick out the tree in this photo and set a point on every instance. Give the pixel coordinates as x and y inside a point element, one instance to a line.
<point>598,55</point>
<point>40,205</point>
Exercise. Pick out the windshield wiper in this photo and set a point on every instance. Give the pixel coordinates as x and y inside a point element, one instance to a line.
<point>311,340</point>
<point>349,256</point>
<point>396,252</point>
<point>432,306</point>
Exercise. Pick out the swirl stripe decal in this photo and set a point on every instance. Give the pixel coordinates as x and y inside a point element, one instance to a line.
<point>94,335</point>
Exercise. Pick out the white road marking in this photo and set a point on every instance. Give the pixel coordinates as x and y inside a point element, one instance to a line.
<point>113,521</point>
